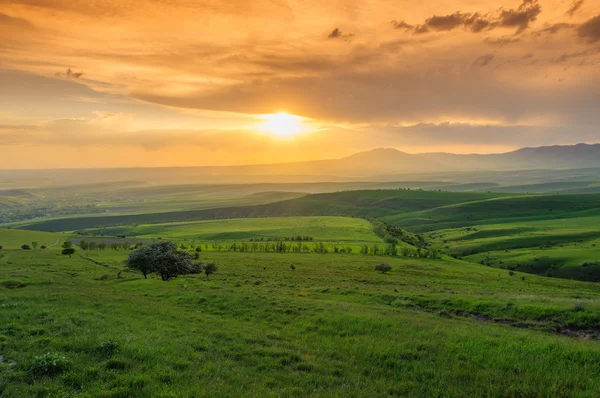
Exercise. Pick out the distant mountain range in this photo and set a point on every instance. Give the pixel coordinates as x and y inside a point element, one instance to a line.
<point>385,161</point>
<point>381,164</point>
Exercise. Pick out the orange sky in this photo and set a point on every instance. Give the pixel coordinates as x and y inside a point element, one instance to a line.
<point>112,83</point>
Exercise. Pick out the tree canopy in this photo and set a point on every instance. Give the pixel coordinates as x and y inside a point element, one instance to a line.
<point>162,258</point>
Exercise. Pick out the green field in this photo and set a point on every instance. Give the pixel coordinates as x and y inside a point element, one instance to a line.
<point>13,238</point>
<point>332,327</point>
<point>472,321</point>
<point>319,228</point>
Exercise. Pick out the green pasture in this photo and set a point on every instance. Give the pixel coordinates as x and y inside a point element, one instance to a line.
<point>331,327</point>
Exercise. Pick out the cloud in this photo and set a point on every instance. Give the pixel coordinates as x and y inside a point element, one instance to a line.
<point>555,28</point>
<point>69,74</point>
<point>576,6</point>
<point>483,61</point>
<point>402,25</point>
<point>519,18</point>
<point>501,41</point>
<point>590,30</point>
<point>14,22</point>
<point>337,34</point>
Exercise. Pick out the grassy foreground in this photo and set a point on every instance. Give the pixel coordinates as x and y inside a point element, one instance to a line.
<point>332,327</point>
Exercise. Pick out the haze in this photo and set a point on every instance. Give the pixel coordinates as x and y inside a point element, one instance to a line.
<point>230,82</point>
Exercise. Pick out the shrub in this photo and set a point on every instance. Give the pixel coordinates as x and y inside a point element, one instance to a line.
<point>49,364</point>
<point>25,247</point>
<point>196,268</point>
<point>210,268</point>
<point>68,252</point>
<point>511,273</point>
<point>383,268</point>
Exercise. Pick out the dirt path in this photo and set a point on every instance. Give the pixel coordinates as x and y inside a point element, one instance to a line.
<point>55,243</point>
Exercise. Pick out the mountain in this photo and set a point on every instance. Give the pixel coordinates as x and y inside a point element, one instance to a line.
<point>382,164</point>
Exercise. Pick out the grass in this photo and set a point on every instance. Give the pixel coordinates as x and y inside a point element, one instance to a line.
<point>13,239</point>
<point>332,327</point>
<point>319,228</point>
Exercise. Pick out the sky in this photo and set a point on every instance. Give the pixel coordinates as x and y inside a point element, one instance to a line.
<point>128,83</point>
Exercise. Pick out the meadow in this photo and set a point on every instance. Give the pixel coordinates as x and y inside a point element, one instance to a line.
<point>470,320</point>
<point>331,327</point>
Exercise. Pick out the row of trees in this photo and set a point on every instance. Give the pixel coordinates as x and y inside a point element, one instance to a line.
<point>392,250</point>
<point>33,245</point>
<point>285,239</point>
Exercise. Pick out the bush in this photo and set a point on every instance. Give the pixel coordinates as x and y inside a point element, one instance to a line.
<point>49,364</point>
<point>196,268</point>
<point>25,247</point>
<point>210,268</point>
<point>383,268</point>
<point>68,252</point>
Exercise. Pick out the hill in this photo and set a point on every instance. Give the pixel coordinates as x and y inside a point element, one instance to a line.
<point>382,164</point>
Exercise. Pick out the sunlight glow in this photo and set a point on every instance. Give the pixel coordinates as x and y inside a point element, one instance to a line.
<point>282,124</point>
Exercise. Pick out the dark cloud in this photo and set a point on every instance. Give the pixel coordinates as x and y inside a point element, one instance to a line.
<point>475,22</point>
<point>574,7</point>
<point>590,30</point>
<point>577,54</point>
<point>69,74</point>
<point>552,29</point>
<point>520,18</point>
<point>338,34</point>
<point>501,41</point>
<point>402,25</point>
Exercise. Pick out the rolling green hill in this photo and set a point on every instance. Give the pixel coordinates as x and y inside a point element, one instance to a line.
<point>333,326</point>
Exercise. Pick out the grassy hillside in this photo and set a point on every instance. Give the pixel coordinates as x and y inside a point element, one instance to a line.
<point>332,327</point>
<point>13,239</point>
<point>319,228</point>
<point>367,204</point>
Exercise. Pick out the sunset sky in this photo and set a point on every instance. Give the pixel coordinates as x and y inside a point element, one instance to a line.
<point>110,83</point>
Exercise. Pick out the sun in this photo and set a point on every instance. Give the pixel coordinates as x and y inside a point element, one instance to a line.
<point>282,124</point>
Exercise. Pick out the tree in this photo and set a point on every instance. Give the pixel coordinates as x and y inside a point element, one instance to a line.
<point>209,269</point>
<point>67,244</point>
<point>162,258</point>
<point>383,268</point>
<point>25,247</point>
<point>43,247</point>
<point>1,247</point>
<point>68,251</point>
<point>293,267</point>
<point>34,245</point>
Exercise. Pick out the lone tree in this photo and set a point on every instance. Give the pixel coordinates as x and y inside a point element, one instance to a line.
<point>43,247</point>
<point>67,244</point>
<point>162,258</point>
<point>68,252</point>
<point>1,247</point>
<point>34,245</point>
<point>209,269</point>
<point>293,267</point>
<point>383,268</point>
<point>25,247</point>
